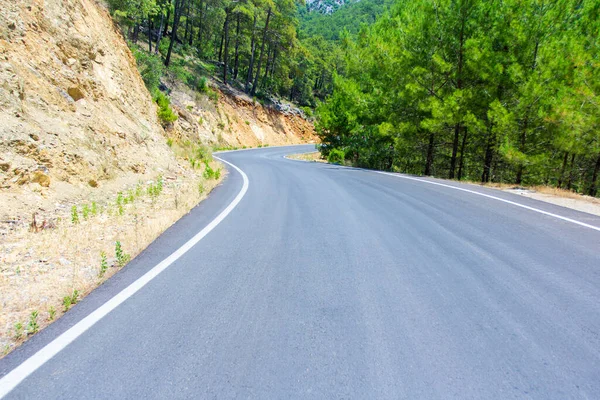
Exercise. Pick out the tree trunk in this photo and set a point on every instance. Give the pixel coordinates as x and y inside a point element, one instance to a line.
<point>489,158</point>
<point>267,66</point>
<point>176,16</point>
<point>563,169</point>
<point>593,187</point>
<point>570,180</point>
<point>166,29</point>
<point>200,27</point>
<point>523,141</point>
<point>136,33</point>
<point>237,45</point>
<point>187,23</point>
<point>462,154</point>
<point>221,48</point>
<point>150,26</point>
<point>262,49</point>
<point>226,38</point>
<point>160,32</point>
<point>454,151</point>
<point>252,50</point>
<point>429,162</point>
<point>458,127</point>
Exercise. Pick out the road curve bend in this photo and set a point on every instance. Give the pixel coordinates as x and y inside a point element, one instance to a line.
<point>330,282</point>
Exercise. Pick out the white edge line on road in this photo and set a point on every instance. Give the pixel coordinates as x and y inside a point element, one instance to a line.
<point>492,197</point>
<point>17,375</point>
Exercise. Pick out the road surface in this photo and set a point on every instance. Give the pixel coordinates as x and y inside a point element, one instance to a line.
<point>327,282</point>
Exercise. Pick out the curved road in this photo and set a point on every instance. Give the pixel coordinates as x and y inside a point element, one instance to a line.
<point>327,282</point>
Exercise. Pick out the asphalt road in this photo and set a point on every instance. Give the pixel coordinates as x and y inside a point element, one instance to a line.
<point>327,282</point>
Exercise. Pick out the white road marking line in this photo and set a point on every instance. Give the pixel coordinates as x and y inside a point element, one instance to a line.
<point>17,375</point>
<point>495,198</point>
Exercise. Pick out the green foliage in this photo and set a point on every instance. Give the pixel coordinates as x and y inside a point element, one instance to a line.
<point>103,265</point>
<point>210,173</point>
<point>51,313</point>
<point>151,68</point>
<point>336,156</point>
<point>70,300</point>
<point>18,330</point>
<point>85,212</point>
<point>94,209</point>
<point>33,326</point>
<point>165,113</point>
<point>120,255</point>
<point>476,90</point>
<point>74,215</point>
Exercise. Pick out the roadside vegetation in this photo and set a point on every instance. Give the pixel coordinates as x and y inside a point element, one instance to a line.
<point>49,267</point>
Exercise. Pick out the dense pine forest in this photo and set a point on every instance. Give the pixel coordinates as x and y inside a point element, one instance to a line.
<point>501,91</point>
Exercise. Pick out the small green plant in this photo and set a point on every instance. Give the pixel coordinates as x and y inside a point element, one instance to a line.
<point>121,256</point>
<point>247,122</point>
<point>94,209</point>
<point>200,188</point>
<point>103,265</point>
<point>74,215</point>
<point>201,86</point>
<point>217,173</point>
<point>75,296</point>
<point>18,270</point>
<point>67,303</point>
<point>130,196</point>
<point>208,173</point>
<point>212,95</point>
<point>200,120</point>
<point>165,113</point>
<point>85,211</point>
<point>189,107</point>
<point>33,326</point>
<point>18,330</point>
<point>70,300</point>
<point>170,142</point>
<point>51,313</point>
<point>221,125</point>
<point>120,201</point>
<point>336,156</point>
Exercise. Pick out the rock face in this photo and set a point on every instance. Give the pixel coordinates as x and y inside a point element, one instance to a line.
<point>73,108</point>
<point>72,103</point>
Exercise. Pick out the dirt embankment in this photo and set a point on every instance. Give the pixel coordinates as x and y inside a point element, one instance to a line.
<point>233,119</point>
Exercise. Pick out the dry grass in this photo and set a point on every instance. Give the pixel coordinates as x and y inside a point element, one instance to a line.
<point>314,156</point>
<point>38,270</point>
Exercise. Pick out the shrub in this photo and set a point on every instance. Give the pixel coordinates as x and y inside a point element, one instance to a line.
<point>336,156</point>
<point>165,113</point>
<point>202,86</point>
<point>151,68</point>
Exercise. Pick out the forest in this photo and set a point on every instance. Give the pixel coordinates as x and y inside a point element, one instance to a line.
<point>490,91</point>
<point>253,44</point>
<point>502,91</point>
